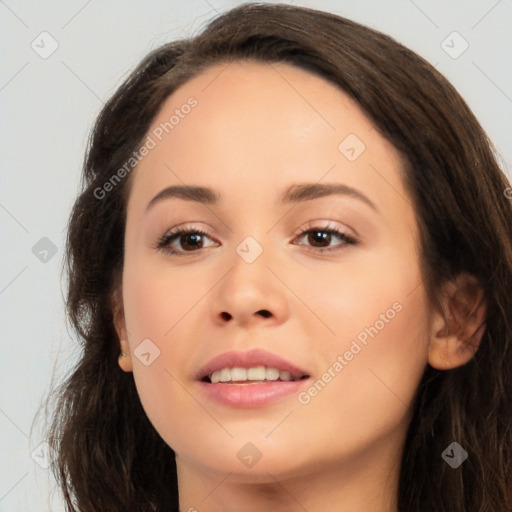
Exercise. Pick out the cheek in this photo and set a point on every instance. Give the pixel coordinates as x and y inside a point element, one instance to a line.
<point>367,295</point>
<point>156,299</point>
<point>157,308</point>
<point>372,367</point>
<point>373,358</point>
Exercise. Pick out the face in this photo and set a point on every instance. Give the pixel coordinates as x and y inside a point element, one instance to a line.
<point>280,272</point>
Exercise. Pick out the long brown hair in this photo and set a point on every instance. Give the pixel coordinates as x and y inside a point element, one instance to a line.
<point>107,454</point>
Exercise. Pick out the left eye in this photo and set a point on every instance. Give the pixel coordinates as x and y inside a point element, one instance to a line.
<point>190,240</point>
<point>319,236</point>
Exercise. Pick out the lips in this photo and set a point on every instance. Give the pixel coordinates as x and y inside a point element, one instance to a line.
<point>251,359</point>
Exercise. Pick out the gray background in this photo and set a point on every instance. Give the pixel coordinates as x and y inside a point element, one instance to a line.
<point>47,108</point>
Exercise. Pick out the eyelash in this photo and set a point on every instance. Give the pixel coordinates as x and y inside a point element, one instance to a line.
<point>166,239</point>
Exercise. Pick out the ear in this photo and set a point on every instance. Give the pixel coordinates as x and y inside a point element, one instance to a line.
<point>457,331</point>
<point>125,361</point>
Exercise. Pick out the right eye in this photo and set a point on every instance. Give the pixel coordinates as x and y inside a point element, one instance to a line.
<point>180,241</point>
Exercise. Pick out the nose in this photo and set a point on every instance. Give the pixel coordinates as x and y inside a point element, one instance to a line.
<point>250,294</point>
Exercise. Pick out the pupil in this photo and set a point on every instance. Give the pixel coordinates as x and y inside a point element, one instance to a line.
<point>192,240</point>
<point>319,237</point>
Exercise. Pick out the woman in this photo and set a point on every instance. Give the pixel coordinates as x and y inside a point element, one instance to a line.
<point>290,267</point>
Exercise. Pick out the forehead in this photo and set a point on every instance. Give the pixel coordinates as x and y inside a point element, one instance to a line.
<point>276,96</point>
<point>265,124</point>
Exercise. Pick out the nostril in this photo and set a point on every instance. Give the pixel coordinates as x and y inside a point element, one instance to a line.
<point>225,316</point>
<point>265,313</point>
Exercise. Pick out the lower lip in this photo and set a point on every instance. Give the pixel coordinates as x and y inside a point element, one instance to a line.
<point>252,395</point>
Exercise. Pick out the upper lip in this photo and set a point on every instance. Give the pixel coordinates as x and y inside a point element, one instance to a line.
<point>249,359</point>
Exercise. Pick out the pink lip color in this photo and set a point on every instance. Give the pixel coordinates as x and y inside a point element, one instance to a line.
<point>254,357</point>
<point>251,395</point>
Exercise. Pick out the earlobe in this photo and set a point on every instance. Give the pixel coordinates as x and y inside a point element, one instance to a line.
<point>458,330</point>
<point>125,358</point>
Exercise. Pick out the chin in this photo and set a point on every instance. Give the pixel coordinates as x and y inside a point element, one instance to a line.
<point>249,461</point>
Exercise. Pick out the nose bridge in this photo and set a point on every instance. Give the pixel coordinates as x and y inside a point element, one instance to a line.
<point>250,250</point>
<point>249,273</point>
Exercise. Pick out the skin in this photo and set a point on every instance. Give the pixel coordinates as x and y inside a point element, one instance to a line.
<point>257,129</point>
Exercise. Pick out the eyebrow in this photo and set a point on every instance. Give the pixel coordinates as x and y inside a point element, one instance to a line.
<point>293,194</point>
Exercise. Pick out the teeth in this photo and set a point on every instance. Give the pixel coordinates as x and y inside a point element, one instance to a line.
<point>225,375</point>
<point>256,373</point>
<point>271,374</point>
<point>285,376</point>
<point>238,374</point>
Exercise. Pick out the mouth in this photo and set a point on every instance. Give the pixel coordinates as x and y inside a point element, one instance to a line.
<point>251,366</point>
<point>256,378</point>
<point>252,375</point>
